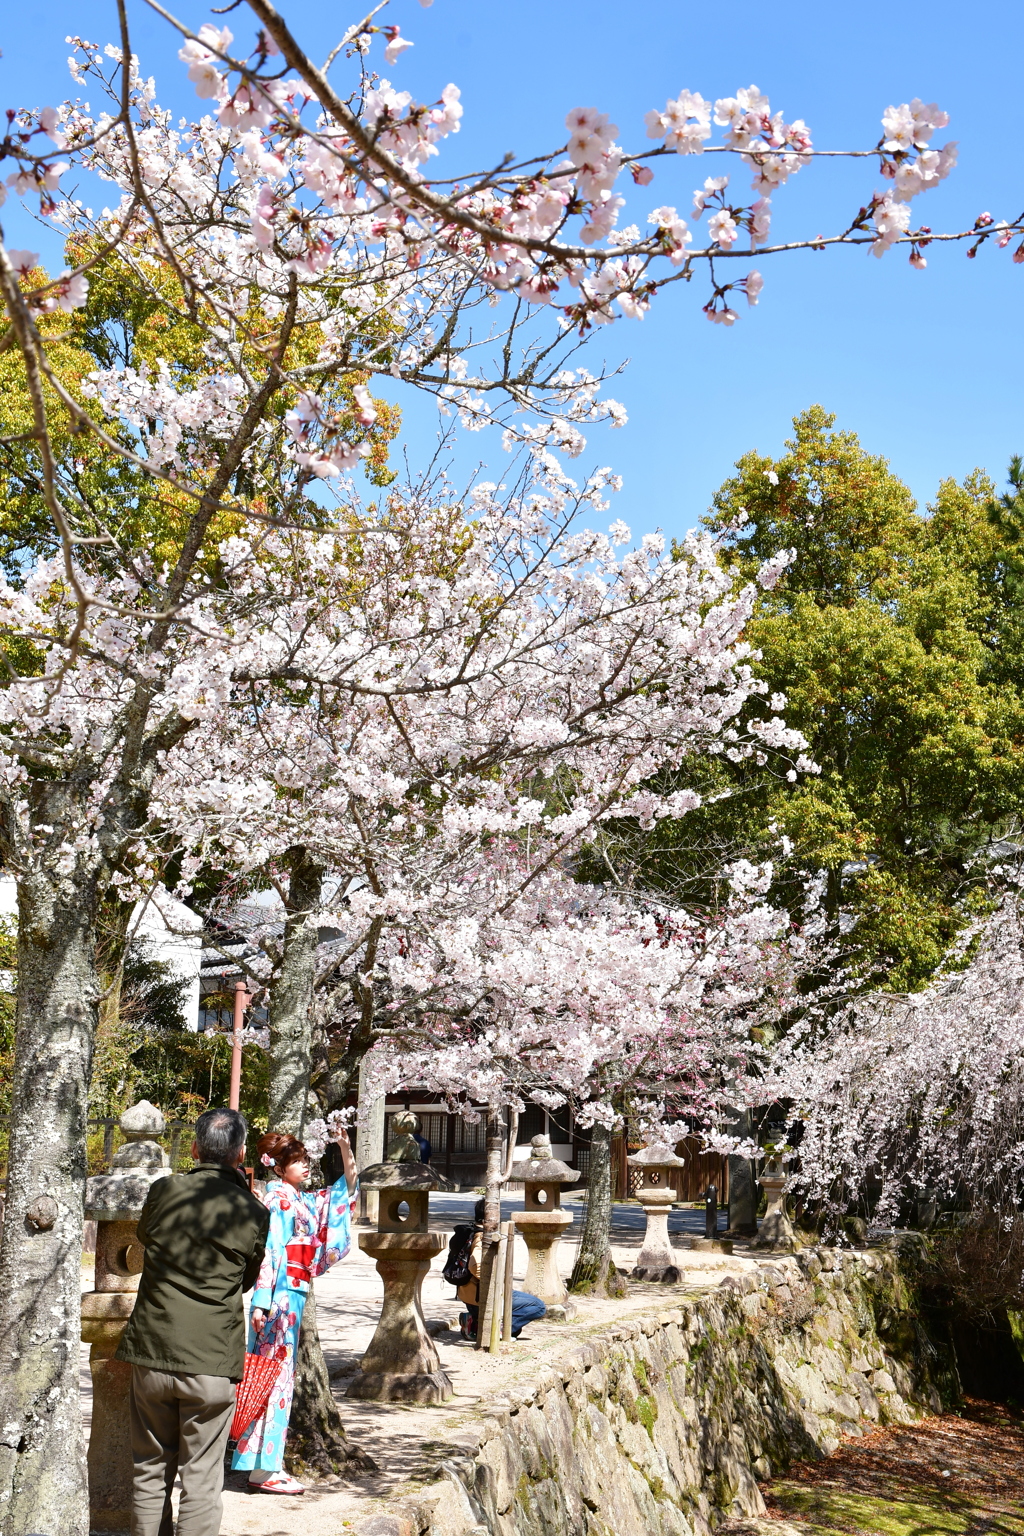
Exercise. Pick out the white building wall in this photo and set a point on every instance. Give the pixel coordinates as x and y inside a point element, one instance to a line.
<point>173,934</point>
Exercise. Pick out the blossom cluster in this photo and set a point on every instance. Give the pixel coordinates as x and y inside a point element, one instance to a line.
<point>462,729</point>
<point>924,1093</point>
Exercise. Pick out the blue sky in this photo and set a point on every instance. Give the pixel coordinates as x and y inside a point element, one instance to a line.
<point>925,366</point>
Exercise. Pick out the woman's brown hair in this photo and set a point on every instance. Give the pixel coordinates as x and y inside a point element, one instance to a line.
<point>282,1149</point>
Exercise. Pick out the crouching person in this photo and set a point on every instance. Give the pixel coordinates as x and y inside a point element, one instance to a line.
<point>204,1235</point>
<point>463,1271</point>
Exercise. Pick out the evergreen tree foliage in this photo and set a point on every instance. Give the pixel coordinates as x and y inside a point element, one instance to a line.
<point>896,639</point>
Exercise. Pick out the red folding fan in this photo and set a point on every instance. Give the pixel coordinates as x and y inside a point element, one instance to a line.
<point>253,1391</point>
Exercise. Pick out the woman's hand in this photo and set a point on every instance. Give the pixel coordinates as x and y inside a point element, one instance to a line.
<point>348,1162</point>
<point>257,1317</point>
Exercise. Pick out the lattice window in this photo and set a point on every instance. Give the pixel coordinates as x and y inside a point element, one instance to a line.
<point>470,1138</point>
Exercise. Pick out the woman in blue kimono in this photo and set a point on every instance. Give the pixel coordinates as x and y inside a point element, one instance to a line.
<point>309,1231</point>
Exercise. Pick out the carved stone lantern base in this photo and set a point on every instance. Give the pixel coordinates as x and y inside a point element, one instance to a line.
<point>110,1454</point>
<point>775,1233</point>
<point>542,1222</point>
<point>401,1364</point>
<point>114,1201</point>
<point>656,1260</point>
<point>541,1231</point>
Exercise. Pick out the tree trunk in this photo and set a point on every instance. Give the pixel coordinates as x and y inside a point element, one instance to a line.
<point>291,998</point>
<point>594,1272</point>
<point>492,1223</point>
<point>42,1474</point>
<point>495,1169</point>
<point>317,1444</point>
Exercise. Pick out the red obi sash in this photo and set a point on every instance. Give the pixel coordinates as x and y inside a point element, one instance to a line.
<point>300,1253</point>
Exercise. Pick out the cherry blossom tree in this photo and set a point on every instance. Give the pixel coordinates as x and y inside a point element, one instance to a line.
<point>922,1092</point>
<point>477,717</point>
<point>606,1003</point>
<point>471,678</point>
<point>293,247</point>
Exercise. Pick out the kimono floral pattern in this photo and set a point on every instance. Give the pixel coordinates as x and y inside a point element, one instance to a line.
<point>309,1231</point>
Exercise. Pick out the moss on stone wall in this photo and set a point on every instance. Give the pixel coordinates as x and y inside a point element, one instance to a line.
<point>664,1425</point>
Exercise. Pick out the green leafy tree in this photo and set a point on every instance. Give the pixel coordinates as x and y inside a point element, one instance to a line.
<point>895,639</point>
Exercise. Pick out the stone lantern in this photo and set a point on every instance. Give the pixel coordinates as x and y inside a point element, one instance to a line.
<point>656,1260</point>
<point>542,1222</point>
<point>401,1364</point>
<point>776,1229</point>
<point>114,1200</point>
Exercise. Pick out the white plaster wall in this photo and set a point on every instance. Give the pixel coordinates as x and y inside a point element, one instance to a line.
<point>174,935</point>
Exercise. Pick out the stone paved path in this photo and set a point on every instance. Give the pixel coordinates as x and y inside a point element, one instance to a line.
<point>410,1443</point>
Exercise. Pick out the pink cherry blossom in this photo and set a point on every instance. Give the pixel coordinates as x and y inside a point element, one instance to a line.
<point>396,45</point>
<point>892,221</point>
<point>722,228</point>
<point>203,70</point>
<point>684,124</point>
<point>911,126</point>
<point>23,262</point>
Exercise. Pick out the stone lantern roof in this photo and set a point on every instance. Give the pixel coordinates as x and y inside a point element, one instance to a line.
<point>401,1175</point>
<point>541,1167</point>
<point>658,1155</point>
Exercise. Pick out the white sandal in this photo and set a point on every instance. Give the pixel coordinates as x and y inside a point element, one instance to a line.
<point>278,1482</point>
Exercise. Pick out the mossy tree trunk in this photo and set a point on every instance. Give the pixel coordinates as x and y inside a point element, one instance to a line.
<point>42,1481</point>
<point>317,1443</point>
<point>594,1272</point>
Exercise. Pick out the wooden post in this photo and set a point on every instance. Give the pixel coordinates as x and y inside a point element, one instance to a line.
<point>241,998</point>
<point>496,1297</point>
<point>506,1310</point>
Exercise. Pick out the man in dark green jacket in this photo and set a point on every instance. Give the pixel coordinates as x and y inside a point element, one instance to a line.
<point>204,1234</point>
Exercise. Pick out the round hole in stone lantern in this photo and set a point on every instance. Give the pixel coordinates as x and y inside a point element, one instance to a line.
<point>542,1222</point>
<point>656,1260</point>
<point>401,1364</point>
<point>114,1200</point>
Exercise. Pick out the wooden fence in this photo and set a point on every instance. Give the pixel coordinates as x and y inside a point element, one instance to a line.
<point>690,1183</point>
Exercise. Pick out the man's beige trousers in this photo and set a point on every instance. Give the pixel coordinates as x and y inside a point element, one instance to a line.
<point>179,1424</point>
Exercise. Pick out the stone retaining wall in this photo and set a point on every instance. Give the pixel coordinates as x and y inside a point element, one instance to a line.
<point>663,1425</point>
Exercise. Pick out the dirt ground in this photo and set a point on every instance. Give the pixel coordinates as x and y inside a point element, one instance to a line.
<point>958,1475</point>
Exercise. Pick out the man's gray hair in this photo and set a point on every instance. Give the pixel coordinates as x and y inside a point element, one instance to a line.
<point>220,1135</point>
